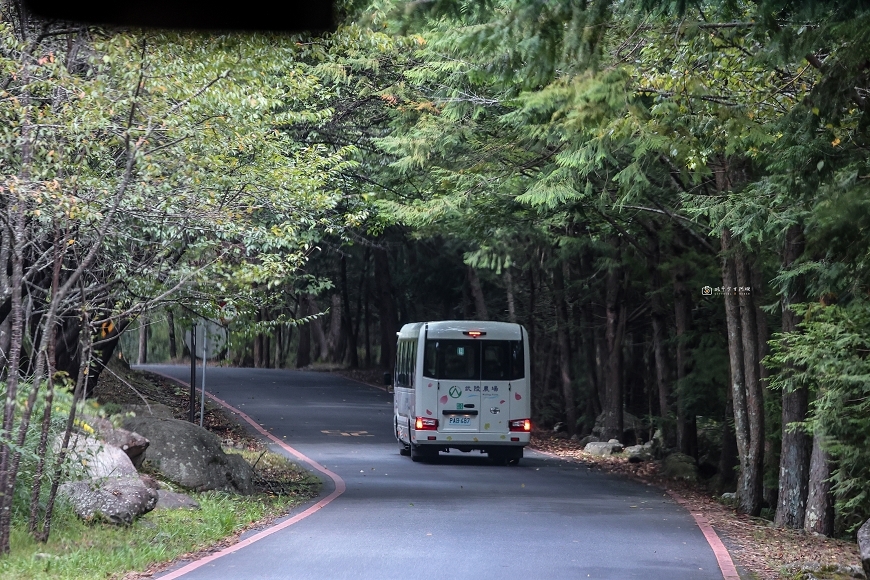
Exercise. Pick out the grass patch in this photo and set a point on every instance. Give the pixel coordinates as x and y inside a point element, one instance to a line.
<point>77,549</point>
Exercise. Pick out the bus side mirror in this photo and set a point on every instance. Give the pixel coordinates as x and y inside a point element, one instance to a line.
<point>388,379</point>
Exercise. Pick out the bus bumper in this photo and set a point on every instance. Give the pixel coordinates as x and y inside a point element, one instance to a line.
<point>468,441</point>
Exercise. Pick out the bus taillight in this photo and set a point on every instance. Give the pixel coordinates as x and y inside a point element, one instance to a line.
<point>426,424</point>
<point>521,425</point>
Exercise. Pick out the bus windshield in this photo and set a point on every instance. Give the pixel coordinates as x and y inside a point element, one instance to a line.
<point>474,360</point>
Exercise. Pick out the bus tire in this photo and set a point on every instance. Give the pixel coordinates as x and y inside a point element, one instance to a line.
<point>508,456</point>
<point>404,449</point>
<point>419,453</point>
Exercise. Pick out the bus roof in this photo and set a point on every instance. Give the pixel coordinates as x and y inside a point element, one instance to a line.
<point>455,329</point>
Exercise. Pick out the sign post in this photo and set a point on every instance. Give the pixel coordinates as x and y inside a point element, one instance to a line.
<point>212,340</point>
<point>191,411</point>
<point>204,359</point>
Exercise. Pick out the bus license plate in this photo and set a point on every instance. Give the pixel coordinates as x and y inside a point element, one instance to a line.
<point>459,421</point>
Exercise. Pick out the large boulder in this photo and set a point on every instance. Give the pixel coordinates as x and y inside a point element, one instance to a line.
<point>680,466</point>
<point>131,443</point>
<point>864,546</point>
<point>171,500</point>
<point>603,448</point>
<point>190,456</point>
<point>95,459</point>
<point>117,500</point>
<point>111,490</point>
<point>638,453</point>
<point>632,427</point>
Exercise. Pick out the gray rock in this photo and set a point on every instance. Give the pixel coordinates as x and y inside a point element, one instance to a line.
<point>632,427</point>
<point>129,442</point>
<point>96,459</point>
<point>588,439</point>
<point>117,500</point>
<point>638,453</point>
<point>190,456</point>
<point>149,481</point>
<point>817,571</point>
<point>680,466</point>
<point>864,546</point>
<point>171,500</point>
<point>603,449</point>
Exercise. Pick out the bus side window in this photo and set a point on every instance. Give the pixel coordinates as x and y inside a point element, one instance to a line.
<point>429,359</point>
<point>518,363</point>
<point>402,365</point>
<point>413,366</point>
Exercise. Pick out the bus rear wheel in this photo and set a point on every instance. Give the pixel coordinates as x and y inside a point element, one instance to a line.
<point>404,449</point>
<point>422,453</point>
<point>509,456</point>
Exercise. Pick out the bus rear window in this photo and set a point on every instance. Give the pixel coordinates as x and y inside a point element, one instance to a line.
<point>474,360</point>
<point>502,360</point>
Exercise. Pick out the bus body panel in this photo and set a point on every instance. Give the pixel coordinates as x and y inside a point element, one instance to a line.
<point>478,387</point>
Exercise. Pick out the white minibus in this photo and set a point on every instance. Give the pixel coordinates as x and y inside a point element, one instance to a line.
<point>462,385</point>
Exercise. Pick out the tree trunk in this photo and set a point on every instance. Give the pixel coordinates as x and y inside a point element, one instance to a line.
<point>614,331</point>
<point>258,344</point>
<point>728,459</point>
<point>738,388</point>
<point>480,310</point>
<point>794,459</point>
<point>531,325</point>
<point>687,435</point>
<point>819,516</point>
<point>103,351</point>
<point>277,338</point>
<point>267,343</point>
<point>509,288</point>
<point>336,340</point>
<point>303,351</point>
<point>5,332</point>
<point>321,345</point>
<point>368,322</point>
<point>350,332</point>
<point>754,489</point>
<point>586,332</point>
<point>143,340</point>
<point>386,309</point>
<point>658,316</point>
<point>564,350</point>
<point>173,344</point>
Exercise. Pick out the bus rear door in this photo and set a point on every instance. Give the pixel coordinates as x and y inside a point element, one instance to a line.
<point>459,386</point>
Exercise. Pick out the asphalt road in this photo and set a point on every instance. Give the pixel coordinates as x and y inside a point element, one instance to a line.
<point>458,519</point>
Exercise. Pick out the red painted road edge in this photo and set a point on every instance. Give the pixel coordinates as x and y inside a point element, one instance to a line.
<point>726,564</point>
<point>337,480</point>
<point>723,558</point>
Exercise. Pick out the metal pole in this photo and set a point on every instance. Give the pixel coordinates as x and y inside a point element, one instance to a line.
<point>192,410</point>
<point>202,400</point>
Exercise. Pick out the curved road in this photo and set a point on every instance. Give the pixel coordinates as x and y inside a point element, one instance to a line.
<point>460,518</point>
